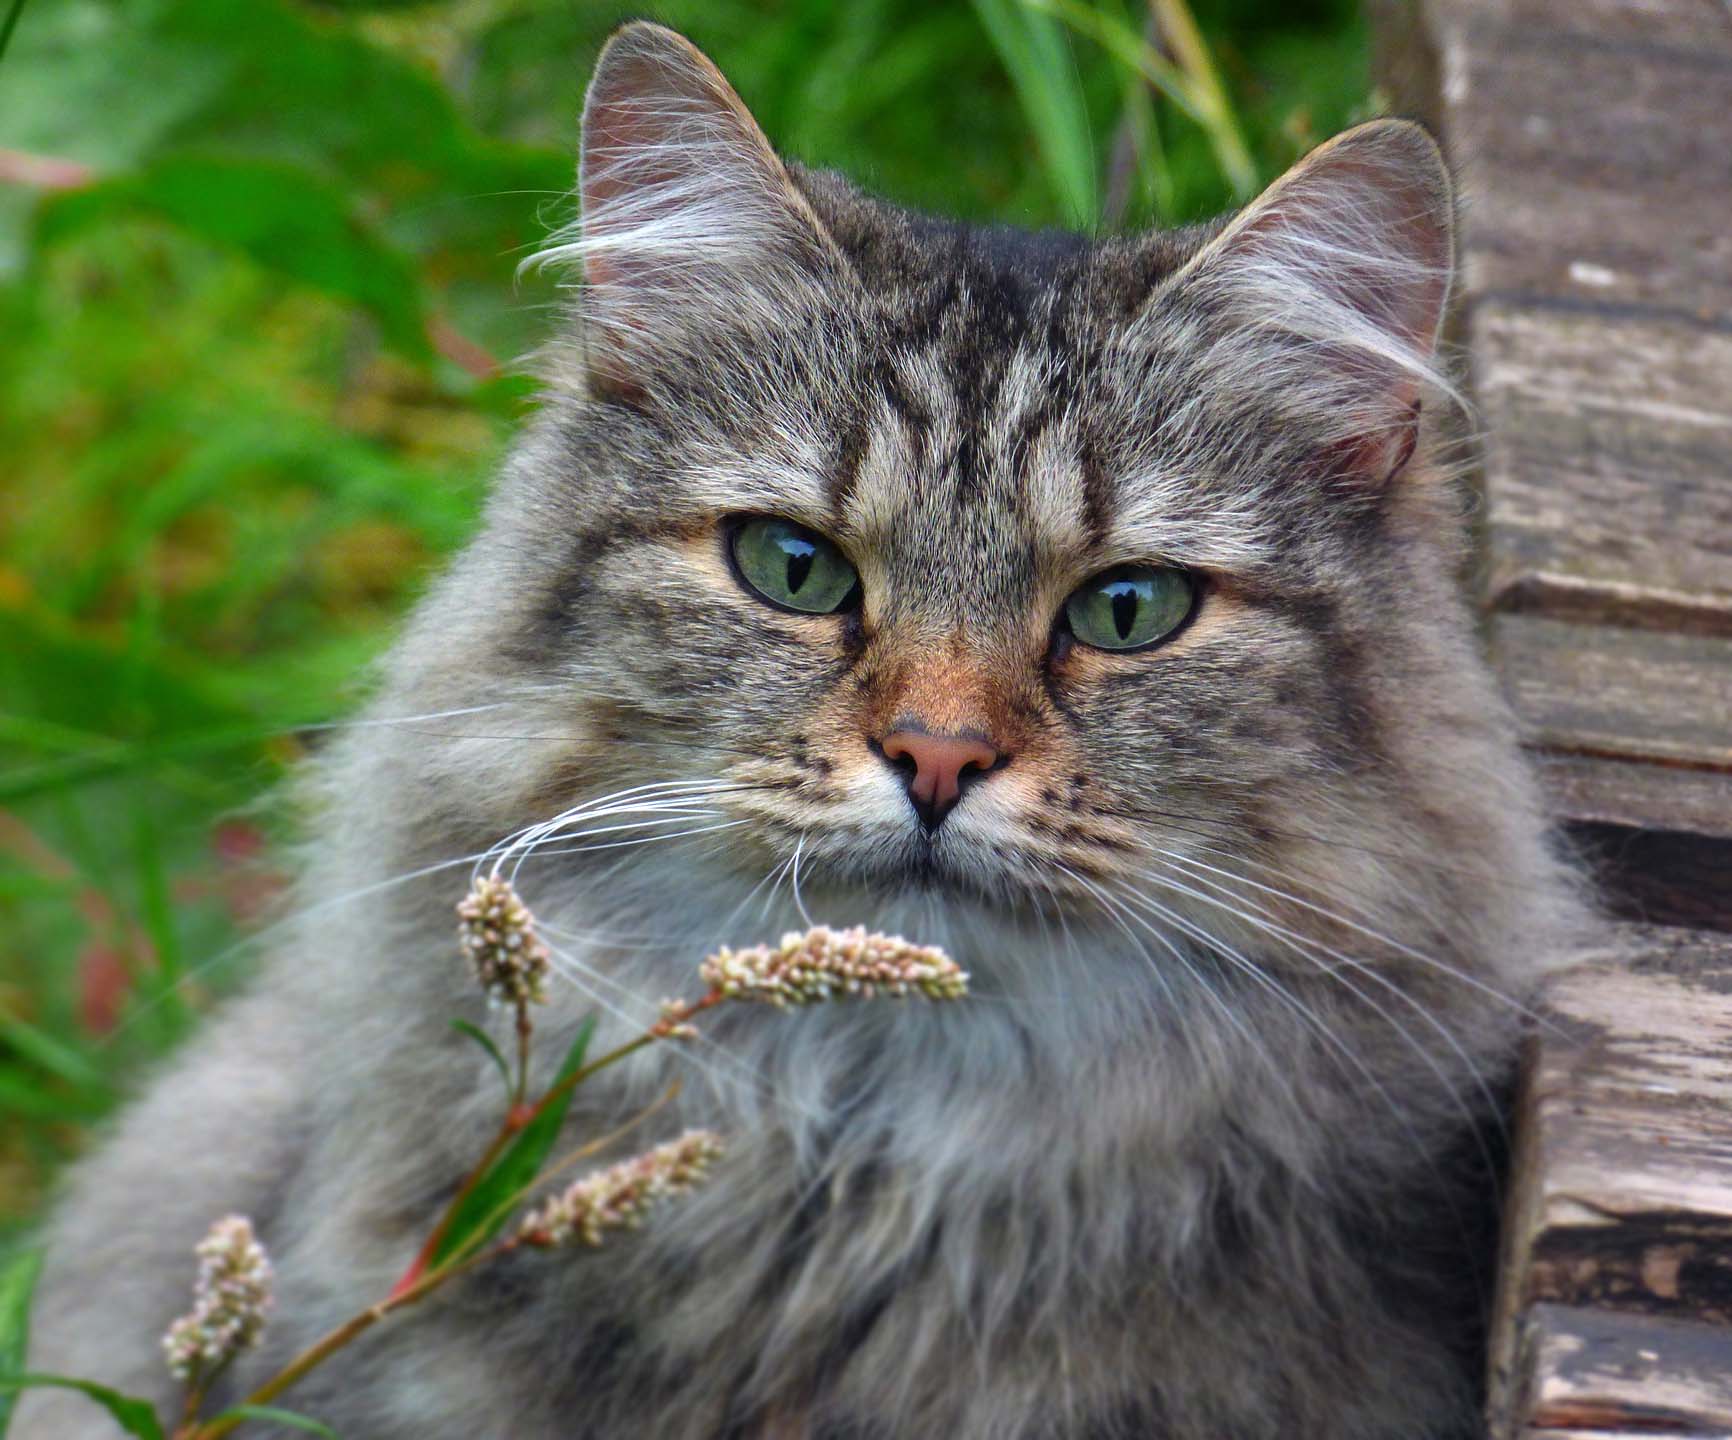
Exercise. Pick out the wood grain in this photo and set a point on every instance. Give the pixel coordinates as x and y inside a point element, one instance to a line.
<point>1595,171</point>
<point>1626,694</point>
<point>1607,465</point>
<point>1620,1202</point>
<point>1584,1370</point>
<point>1695,26</point>
<point>1629,795</point>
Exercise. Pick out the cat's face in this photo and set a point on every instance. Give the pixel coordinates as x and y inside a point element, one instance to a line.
<point>990,563</point>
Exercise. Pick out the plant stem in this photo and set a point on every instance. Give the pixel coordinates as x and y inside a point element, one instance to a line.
<point>416,1282</point>
<point>1189,48</point>
<point>659,1031</point>
<point>519,1119</point>
<point>322,1349</point>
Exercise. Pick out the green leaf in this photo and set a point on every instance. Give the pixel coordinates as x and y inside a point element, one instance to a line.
<point>43,1050</point>
<point>1034,50</point>
<point>17,1286</point>
<point>485,1041</point>
<point>132,1414</point>
<point>282,216</point>
<point>9,24</point>
<point>279,1417</point>
<point>488,1206</point>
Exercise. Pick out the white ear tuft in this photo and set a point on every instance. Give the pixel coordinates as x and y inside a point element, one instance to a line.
<point>683,202</point>
<point>1343,268</point>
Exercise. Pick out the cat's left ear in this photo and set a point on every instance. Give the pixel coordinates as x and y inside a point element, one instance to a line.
<point>688,216</point>
<point>1332,285</point>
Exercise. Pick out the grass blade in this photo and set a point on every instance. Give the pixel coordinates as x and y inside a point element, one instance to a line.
<point>17,1287</point>
<point>280,1417</point>
<point>1033,49</point>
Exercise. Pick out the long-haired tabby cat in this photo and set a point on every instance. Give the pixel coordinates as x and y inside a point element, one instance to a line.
<point>1085,606</point>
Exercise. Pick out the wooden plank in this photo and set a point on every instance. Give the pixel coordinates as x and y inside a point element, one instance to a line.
<point>1608,465</point>
<point>1595,171</point>
<point>1695,26</point>
<point>1622,1375</point>
<point>1618,1229</point>
<point>1633,730</point>
<point>1629,795</point>
<point>1625,694</point>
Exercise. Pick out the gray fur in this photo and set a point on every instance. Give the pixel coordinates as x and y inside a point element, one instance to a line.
<point>1252,917</point>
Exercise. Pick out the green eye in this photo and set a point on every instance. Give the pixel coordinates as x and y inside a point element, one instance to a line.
<point>1131,606</point>
<point>793,567</point>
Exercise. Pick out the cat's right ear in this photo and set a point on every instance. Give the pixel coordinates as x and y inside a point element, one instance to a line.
<point>1327,293</point>
<point>686,210</point>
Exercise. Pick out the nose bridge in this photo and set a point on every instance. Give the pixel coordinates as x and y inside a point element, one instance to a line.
<point>942,717</point>
<point>944,686</point>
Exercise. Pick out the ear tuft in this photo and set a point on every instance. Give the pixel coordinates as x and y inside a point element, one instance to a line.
<point>684,204</point>
<point>1338,275</point>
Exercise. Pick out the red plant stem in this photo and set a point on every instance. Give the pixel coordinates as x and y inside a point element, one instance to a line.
<point>516,1117</point>
<point>322,1349</point>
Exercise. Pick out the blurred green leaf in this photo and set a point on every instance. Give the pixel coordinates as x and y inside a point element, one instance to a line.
<point>132,1414</point>
<point>284,218</point>
<point>488,1206</point>
<point>17,1289</point>
<point>52,1056</point>
<point>485,1041</point>
<point>276,1416</point>
<point>1035,51</point>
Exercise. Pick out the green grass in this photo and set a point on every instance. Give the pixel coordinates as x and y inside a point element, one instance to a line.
<point>230,451</point>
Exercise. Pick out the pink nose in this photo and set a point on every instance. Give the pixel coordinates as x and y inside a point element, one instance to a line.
<point>939,764</point>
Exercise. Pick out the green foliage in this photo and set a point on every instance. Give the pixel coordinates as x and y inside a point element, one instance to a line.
<point>133,1415</point>
<point>488,1206</point>
<point>277,1416</point>
<point>485,1041</point>
<point>17,1288</point>
<point>1032,46</point>
<point>258,287</point>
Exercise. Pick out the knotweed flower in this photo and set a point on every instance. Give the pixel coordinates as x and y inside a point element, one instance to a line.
<point>229,1301</point>
<point>825,964</point>
<point>497,933</point>
<point>619,1197</point>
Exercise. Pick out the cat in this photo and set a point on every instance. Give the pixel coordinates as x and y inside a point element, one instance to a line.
<point>1086,606</point>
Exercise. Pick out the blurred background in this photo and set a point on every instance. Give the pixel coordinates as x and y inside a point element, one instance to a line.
<point>263,336</point>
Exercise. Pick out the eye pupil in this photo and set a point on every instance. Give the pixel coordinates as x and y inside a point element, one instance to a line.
<point>1130,607</point>
<point>792,567</point>
<point>1125,604</point>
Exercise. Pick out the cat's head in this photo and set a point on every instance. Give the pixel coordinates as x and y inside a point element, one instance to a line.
<point>997,564</point>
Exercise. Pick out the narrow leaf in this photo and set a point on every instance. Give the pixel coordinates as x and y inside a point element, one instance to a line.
<point>1033,49</point>
<point>280,1417</point>
<point>17,1286</point>
<point>488,1206</point>
<point>485,1041</point>
<point>130,1413</point>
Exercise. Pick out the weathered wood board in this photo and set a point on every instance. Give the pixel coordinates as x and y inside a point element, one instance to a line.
<point>1598,1374</point>
<point>1634,731</point>
<point>1626,694</point>
<point>1593,139</point>
<point>1608,463</point>
<point>1620,1219</point>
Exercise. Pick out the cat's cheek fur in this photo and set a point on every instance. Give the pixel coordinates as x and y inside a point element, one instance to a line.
<point>1252,917</point>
